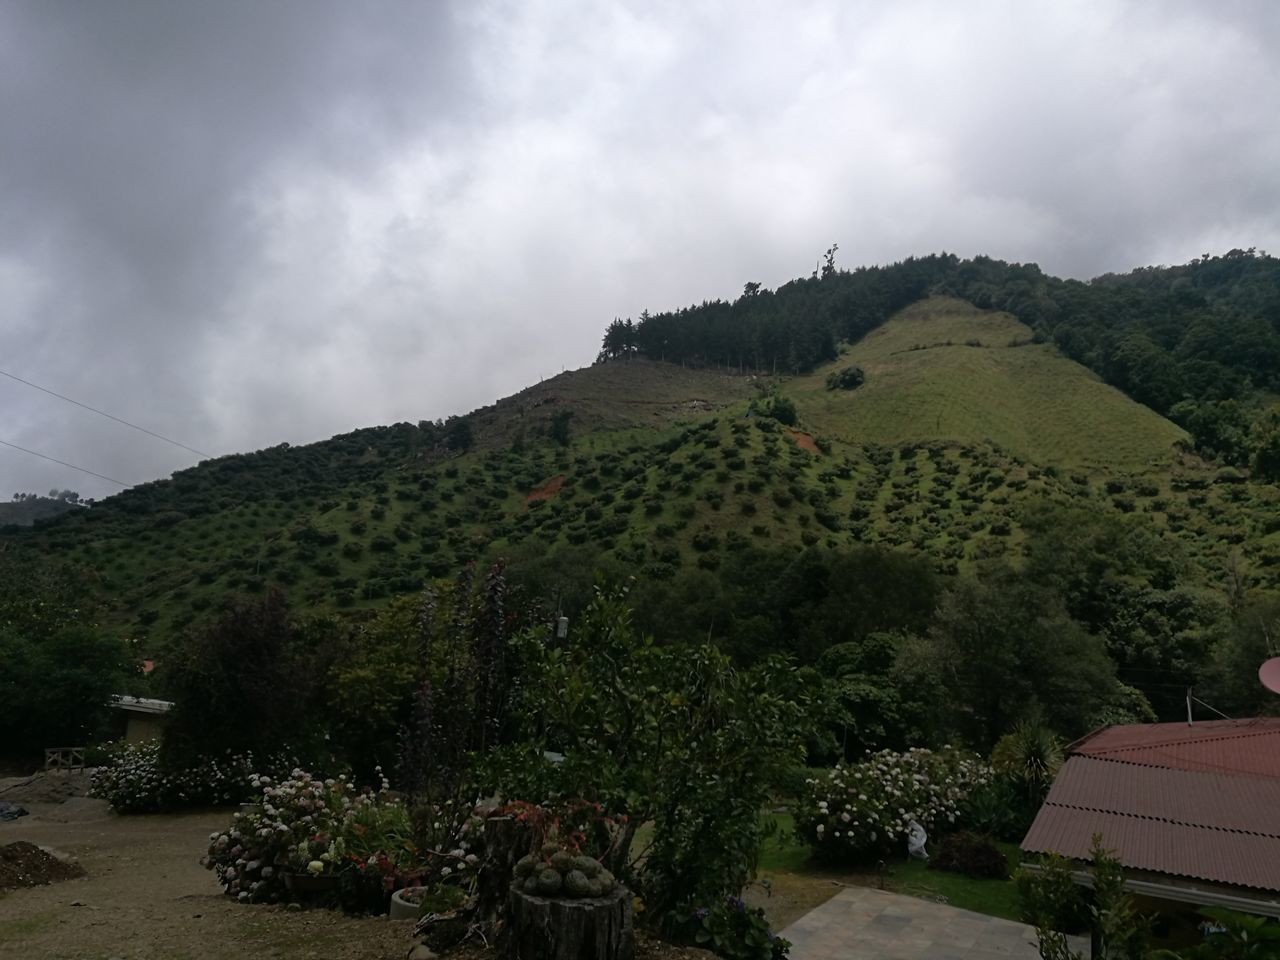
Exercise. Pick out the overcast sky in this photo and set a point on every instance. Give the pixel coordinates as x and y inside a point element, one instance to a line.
<point>241,223</point>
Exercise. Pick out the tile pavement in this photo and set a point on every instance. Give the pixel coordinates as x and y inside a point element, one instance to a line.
<point>861,923</point>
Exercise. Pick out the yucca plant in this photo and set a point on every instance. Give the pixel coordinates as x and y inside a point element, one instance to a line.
<point>1030,755</point>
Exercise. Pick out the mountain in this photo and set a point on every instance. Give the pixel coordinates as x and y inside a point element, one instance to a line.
<point>964,427</point>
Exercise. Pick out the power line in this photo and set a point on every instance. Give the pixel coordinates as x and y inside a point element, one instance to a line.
<point>65,464</point>
<point>103,413</point>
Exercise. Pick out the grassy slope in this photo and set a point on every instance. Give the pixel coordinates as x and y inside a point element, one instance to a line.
<point>945,370</point>
<point>667,472</point>
<point>630,396</point>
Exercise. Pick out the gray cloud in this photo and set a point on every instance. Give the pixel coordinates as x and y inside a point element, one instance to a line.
<point>241,223</point>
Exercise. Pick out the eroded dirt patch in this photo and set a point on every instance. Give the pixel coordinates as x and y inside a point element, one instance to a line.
<point>547,490</point>
<point>803,440</point>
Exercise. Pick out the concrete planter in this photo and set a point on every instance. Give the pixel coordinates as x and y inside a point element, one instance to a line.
<point>405,909</point>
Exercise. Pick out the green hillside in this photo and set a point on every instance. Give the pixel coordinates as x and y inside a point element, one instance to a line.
<point>660,471</point>
<point>26,508</point>
<point>945,370</point>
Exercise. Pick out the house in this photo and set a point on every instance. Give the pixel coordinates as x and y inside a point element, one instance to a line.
<point>143,718</point>
<point>1192,811</point>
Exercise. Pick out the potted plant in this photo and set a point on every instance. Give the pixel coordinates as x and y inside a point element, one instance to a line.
<point>439,899</point>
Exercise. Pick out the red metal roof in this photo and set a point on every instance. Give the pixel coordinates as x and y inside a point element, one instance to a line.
<point>1200,853</point>
<point>1250,747</point>
<point>1200,801</point>
<point>1217,801</point>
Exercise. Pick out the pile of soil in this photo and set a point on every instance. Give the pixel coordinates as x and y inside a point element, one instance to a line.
<point>24,864</point>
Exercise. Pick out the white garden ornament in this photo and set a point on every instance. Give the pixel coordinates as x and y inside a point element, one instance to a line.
<point>916,839</point>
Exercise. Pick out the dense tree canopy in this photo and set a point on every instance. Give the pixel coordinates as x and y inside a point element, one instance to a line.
<point>58,669</point>
<point>1178,339</point>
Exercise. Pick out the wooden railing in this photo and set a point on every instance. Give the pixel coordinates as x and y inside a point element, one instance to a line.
<point>64,758</point>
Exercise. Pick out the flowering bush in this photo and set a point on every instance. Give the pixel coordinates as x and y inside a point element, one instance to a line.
<point>132,779</point>
<point>862,811</point>
<point>311,827</point>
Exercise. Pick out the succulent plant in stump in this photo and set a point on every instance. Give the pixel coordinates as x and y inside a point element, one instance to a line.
<point>556,872</point>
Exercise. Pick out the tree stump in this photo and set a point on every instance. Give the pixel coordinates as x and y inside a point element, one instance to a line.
<point>505,841</point>
<point>551,928</point>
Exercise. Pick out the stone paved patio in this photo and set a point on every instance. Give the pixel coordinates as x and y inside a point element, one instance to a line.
<point>861,923</point>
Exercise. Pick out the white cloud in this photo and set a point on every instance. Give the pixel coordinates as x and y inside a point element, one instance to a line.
<point>408,216</point>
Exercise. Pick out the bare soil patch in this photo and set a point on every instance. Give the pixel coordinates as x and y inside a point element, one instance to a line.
<point>803,440</point>
<point>45,787</point>
<point>546,491</point>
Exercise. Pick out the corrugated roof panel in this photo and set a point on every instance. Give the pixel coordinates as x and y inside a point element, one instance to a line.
<point>1200,853</point>
<point>1249,747</point>
<point>1250,804</point>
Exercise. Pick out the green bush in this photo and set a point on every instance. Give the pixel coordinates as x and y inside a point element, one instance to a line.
<point>971,855</point>
<point>1050,899</point>
<point>663,734</point>
<point>1000,808</point>
<point>729,929</point>
<point>850,378</point>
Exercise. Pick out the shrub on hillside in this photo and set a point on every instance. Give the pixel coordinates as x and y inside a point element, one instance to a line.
<point>778,408</point>
<point>861,812</point>
<point>850,378</point>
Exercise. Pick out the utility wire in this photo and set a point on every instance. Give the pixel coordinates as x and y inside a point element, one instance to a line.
<point>103,413</point>
<point>65,464</point>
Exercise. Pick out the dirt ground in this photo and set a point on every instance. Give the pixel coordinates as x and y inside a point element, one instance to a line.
<point>145,896</point>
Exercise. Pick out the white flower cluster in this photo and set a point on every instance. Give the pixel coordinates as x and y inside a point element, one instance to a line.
<point>132,780</point>
<point>306,825</point>
<point>858,812</point>
<point>296,827</point>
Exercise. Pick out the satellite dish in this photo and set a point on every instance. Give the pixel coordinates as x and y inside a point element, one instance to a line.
<point>1269,674</point>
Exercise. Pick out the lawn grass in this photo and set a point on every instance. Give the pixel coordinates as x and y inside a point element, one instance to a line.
<point>782,852</point>
<point>783,857</point>
<point>996,898</point>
